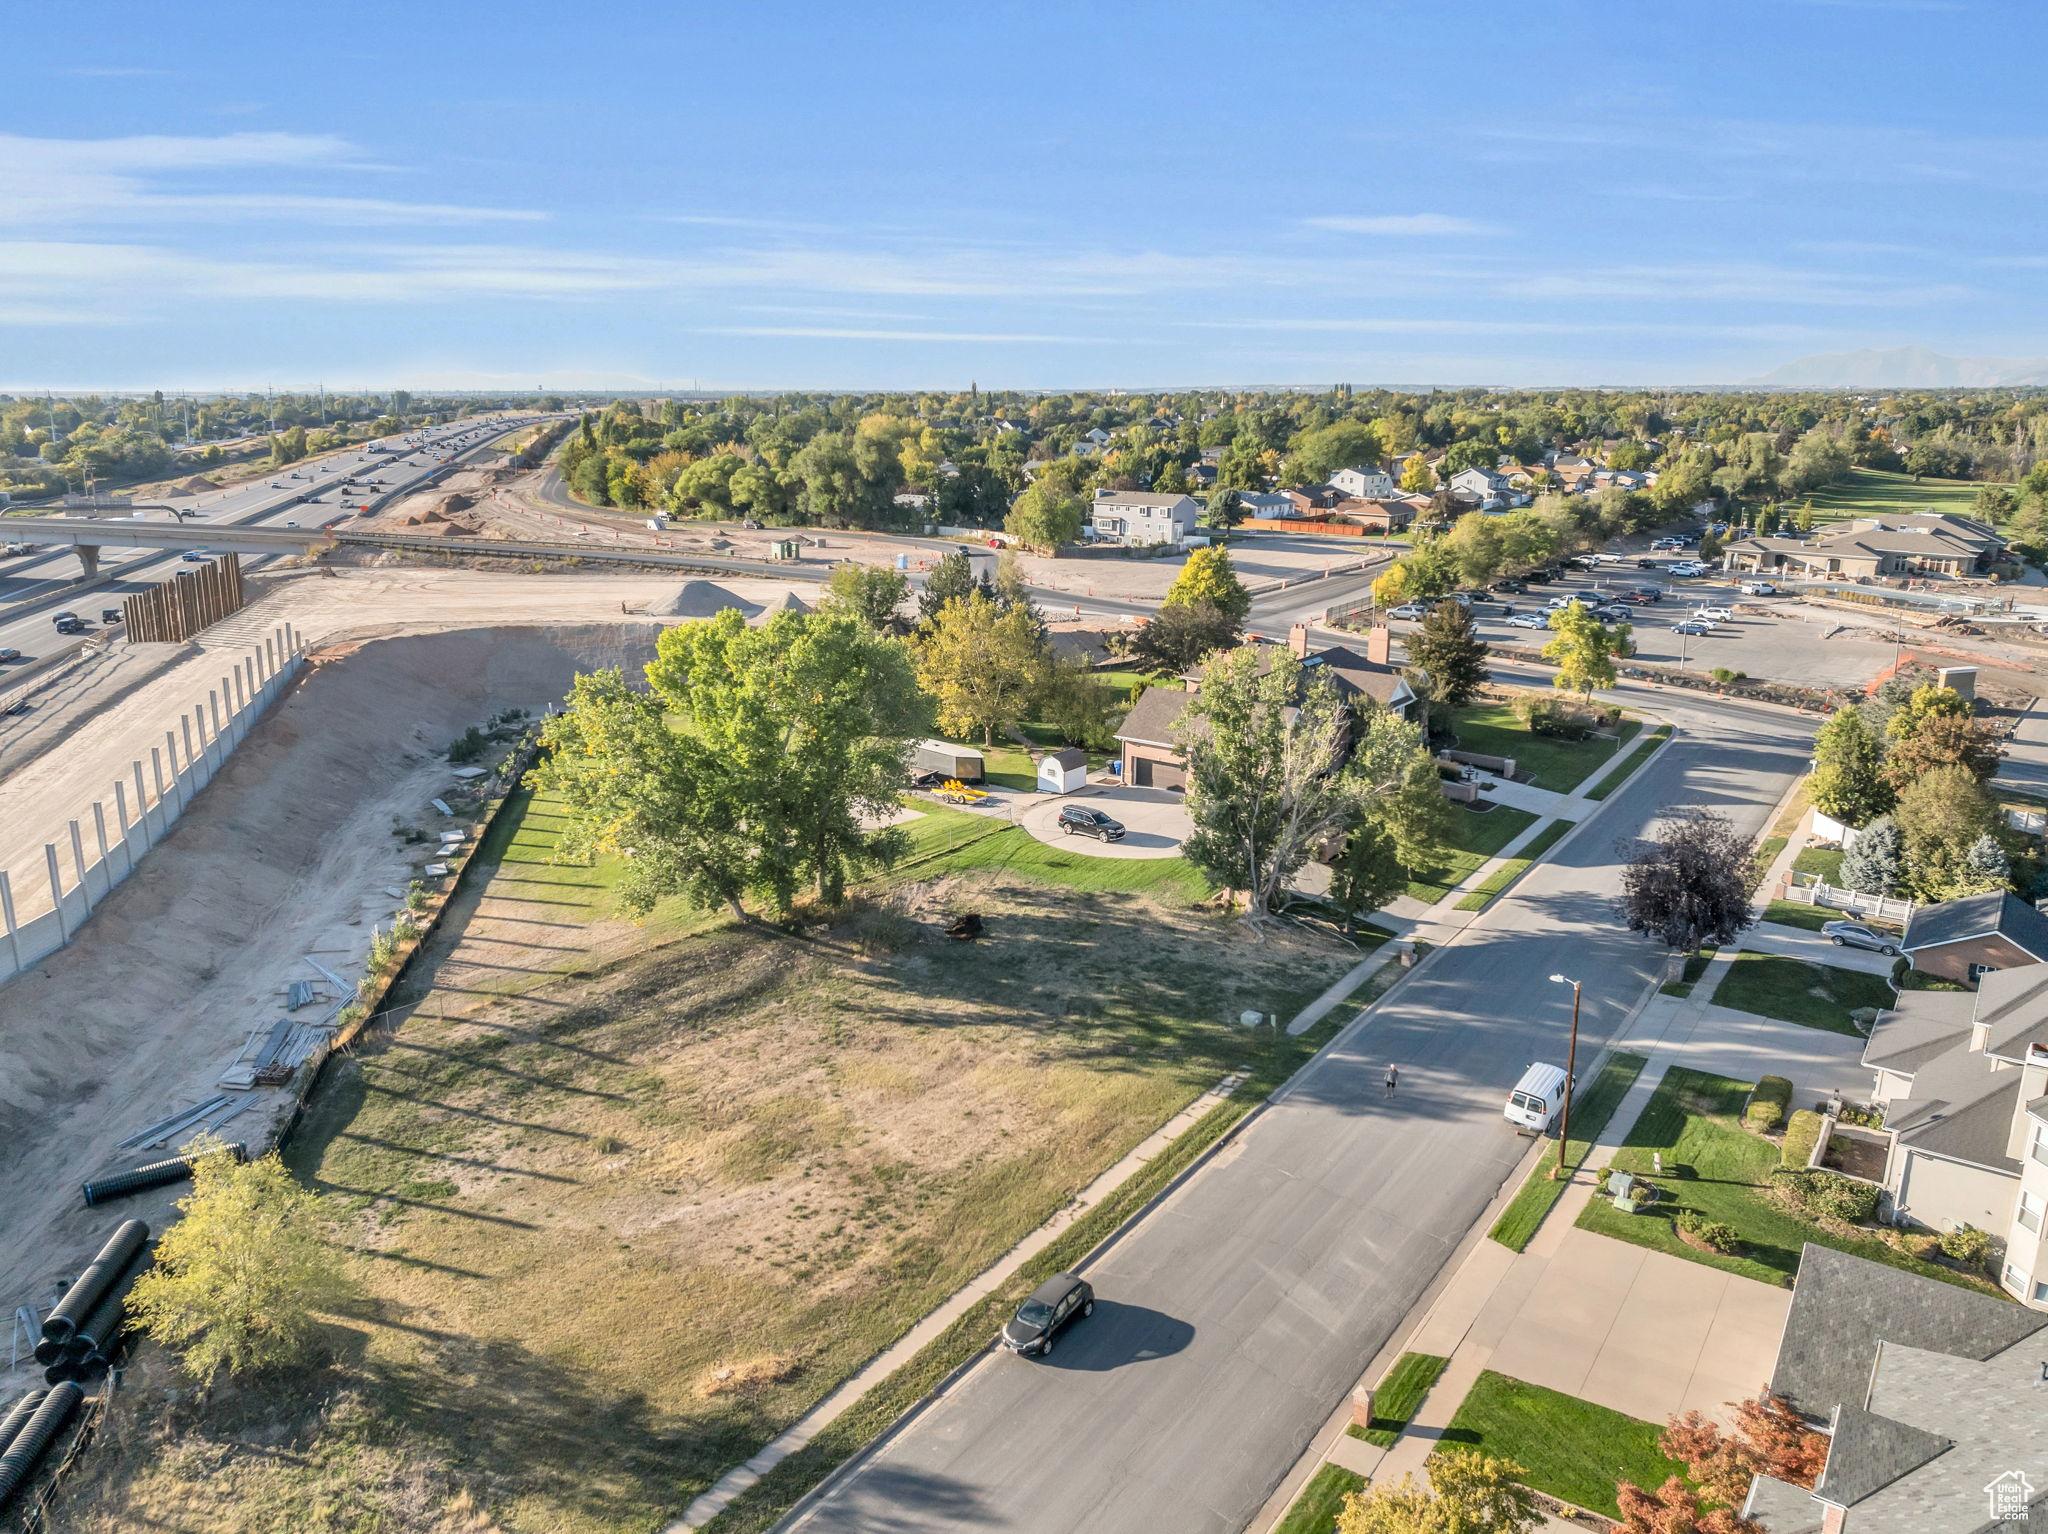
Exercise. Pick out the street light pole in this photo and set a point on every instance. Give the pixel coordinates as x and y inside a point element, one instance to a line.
<point>1571,1071</point>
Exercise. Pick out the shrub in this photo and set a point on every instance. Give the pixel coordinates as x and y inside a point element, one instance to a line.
<point>468,746</point>
<point>1802,1134</point>
<point>1721,1237</point>
<point>1828,1195</point>
<point>1556,717</point>
<point>1768,1101</point>
<point>1866,1115</point>
<point>1966,1244</point>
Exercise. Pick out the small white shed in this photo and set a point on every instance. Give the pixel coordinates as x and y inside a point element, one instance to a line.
<point>1061,772</point>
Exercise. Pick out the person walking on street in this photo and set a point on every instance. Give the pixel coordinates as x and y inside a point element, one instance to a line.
<point>1393,1079</point>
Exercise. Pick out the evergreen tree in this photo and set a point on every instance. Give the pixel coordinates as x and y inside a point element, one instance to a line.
<point>1986,862</point>
<point>1449,649</point>
<point>1875,859</point>
<point>951,579</point>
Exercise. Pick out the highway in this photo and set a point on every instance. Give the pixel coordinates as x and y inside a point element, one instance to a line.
<point>34,587</point>
<point>1233,1320</point>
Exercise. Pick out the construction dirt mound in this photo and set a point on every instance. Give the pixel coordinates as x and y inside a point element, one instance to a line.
<point>698,599</point>
<point>196,484</point>
<point>286,853</point>
<point>789,602</point>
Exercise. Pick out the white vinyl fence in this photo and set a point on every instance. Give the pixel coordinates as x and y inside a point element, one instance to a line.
<point>1804,889</point>
<point>84,867</point>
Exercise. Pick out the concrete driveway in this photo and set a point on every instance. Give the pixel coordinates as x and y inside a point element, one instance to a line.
<point>1798,943</point>
<point>1155,820</point>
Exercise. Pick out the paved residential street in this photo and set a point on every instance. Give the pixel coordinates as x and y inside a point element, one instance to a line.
<point>1233,1320</point>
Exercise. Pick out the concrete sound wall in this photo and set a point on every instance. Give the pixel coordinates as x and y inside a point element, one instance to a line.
<point>140,810</point>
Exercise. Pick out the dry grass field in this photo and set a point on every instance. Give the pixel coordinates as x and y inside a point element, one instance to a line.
<point>629,1198</point>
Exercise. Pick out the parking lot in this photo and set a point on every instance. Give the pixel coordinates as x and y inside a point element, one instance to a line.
<point>1769,637</point>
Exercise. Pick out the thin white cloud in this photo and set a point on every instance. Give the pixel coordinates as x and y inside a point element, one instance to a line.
<point>1402,224</point>
<point>56,183</point>
<point>1399,326</point>
<point>825,333</point>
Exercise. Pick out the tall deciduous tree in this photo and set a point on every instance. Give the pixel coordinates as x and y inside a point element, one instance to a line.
<point>1209,576</point>
<point>1078,703</point>
<point>1768,1438</point>
<point>870,593</point>
<point>1177,639</point>
<point>1315,455</point>
<point>1044,518</point>
<point>1936,728</point>
<point>1369,873</point>
<point>1941,815</point>
<point>1674,1508</point>
<point>983,663</point>
<point>239,1281</point>
<point>1279,765</point>
<point>1583,649</point>
<point>1848,780</point>
<point>1449,649</point>
<point>1689,885</point>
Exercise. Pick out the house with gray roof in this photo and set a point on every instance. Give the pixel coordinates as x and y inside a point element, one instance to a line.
<point>1934,1398</point>
<point>1963,1082</point>
<point>1964,939</point>
<point>1939,545</point>
<point>1133,517</point>
<point>1152,755</point>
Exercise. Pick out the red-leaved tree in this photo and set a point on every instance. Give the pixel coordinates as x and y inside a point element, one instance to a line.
<point>1770,1438</point>
<point>1674,1508</point>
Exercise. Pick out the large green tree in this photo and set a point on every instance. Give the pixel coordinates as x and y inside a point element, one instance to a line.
<point>984,663</point>
<point>1848,781</point>
<point>1279,765</point>
<point>754,766</point>
<point>1044,518</point>
<point>870,593</point>
<point>1178,638</point>
<point>1317,454</point>
<point>948,580</point>
<point>1582,648</point>
<point>1209,576</point>
<point>1449,649</point>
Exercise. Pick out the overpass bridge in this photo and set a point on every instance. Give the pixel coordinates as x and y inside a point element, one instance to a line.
<point>88,535</point>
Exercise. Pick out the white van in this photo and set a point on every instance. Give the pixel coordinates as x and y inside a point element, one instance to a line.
<point>1537,1098</point>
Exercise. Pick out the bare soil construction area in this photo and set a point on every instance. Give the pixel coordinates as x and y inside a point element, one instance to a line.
<point>288,852</point>
<point>629,1198</point>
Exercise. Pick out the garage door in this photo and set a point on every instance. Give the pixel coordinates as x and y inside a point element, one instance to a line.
<point>1153,774</point>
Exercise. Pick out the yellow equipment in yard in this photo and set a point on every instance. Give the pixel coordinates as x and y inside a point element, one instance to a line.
<point>953,791</point>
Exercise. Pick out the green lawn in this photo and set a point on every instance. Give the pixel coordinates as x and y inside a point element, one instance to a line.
<point>1566,1447</point>
<point>1695,966</point>
<point>1315,1510</point>
<point>1496,882</point>
<point>1824,863</point>
<point>1621,775</point>
<point>1475,837</point>
<point>1494,729</point>
<point>1871,492</point>
<point>1591,1109</point>
<point>1398,1395</point>
<point>945,840</point>
<point>1789,913</point>
<point>1794,991</point>
<point>1694,1120</point>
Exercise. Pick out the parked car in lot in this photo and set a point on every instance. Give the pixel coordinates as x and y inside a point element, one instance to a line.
<point>1692,626</point>
<point>1506,588</point>
<point>1052,1307</point>
<point>1615,612</point>
<point>1688,567</point>
<point>1079,820</point>
<point>1566,600</point>
<point>1853,934</point>
<point>1528,621</point>
<point>1759,589</point>
<point>1712,614</point>
<point>1408,610</point>
<point>1650,593</point>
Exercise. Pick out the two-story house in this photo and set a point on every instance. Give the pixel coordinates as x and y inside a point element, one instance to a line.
<point>1135,517</point>
<point>1367,484</point>
<point>1963,1080</point>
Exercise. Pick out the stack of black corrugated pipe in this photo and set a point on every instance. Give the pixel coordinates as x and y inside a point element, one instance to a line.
<point>156,1175</point>
<point>81,1336</point>
<point>28,1429</point>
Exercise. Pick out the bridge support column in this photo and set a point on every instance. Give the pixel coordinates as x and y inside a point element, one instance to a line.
<point>89,556</point>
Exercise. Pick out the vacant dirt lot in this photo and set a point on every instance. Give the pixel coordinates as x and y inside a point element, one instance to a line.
<point>629,1199</point>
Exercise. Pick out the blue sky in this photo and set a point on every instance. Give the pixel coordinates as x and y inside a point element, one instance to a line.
<point>1028,195</point>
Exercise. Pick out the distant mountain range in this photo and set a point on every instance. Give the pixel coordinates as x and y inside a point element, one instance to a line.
<point>1912,367</point>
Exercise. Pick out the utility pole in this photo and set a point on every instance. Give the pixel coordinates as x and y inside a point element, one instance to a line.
<point>1571,1071</point>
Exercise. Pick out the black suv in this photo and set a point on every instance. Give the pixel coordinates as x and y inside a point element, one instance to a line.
<point>1040,1318</point>
<point>1077,820</point>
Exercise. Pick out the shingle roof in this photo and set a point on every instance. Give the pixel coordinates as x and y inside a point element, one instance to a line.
<point>1152,718</point>
<point>2013,1006</point>
<point>1999,911</point>
<point>1868,1452</point>
<point>1783,1508</point>
<point>1843,1307</point>
<point>1068,758</point>
<point>1923,1026</point>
